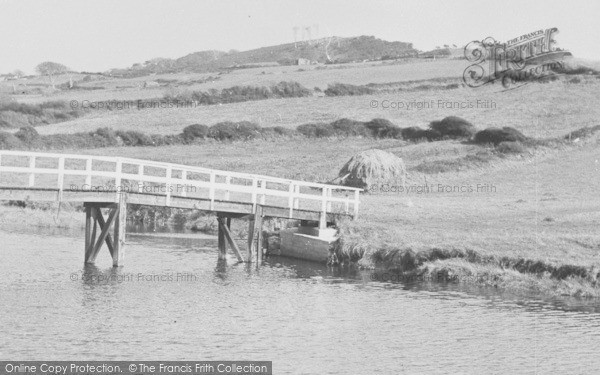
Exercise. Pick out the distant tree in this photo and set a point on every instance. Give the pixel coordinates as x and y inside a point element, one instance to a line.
<point>51,69</point>
<point>437,47</point>
<point>18,73</point>
<point>446,46</point>
<point>454,45</point>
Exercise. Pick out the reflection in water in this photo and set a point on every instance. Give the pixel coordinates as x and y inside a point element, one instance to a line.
<point>286,311</point>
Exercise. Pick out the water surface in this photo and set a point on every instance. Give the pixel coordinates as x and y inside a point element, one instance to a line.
<point>174,300</point>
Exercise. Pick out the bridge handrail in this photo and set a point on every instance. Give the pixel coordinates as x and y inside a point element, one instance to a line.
<point>258,188</point>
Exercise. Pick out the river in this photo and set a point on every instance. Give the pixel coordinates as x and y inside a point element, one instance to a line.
<point>174,300</point>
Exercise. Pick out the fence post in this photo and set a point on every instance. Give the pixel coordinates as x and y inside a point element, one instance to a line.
<point>88,171</point>
<point>296,198</point>
<point>211,191</point>
<point>254,194</point>
<point>356,198</point>
<point>291,199</point>
<point>227,182</point>
<point>263,189</point>
<point>184,178</point>
<point>61,176</point>
<point>32,174</point>
<point>140,182</point>
<point>323,217</point>
<point>168,185</point>
<point>118,169</point>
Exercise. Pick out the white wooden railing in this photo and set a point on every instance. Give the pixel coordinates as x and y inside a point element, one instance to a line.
<point>107,174</point>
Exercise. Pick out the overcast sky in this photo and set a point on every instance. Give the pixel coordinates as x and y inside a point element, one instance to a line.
<point>99,35</point>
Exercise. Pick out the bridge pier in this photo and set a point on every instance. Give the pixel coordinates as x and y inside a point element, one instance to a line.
<point>115,222</point>
<point>254,241</point>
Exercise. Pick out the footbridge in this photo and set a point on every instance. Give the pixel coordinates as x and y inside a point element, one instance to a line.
<point>106,185</point>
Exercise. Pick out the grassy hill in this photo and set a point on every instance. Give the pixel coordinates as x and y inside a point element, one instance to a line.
<point>325,50</point>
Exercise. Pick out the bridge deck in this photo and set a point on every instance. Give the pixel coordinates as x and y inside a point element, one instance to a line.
<point>84,178</point>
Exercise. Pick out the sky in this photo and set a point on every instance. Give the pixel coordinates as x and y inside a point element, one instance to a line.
<point>99,35</point>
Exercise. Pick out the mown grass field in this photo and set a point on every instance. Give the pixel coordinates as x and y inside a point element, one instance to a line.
<point>540,110</point>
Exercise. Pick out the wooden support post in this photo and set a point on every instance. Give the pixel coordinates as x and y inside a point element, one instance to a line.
<point>230,240</point>
<point>222,244</point>
<point>103,233</point>
<point>109,240</point>
<point>258,224</point>
<point>251,247</point>
<point>90,230</point>
<point>118,253</point>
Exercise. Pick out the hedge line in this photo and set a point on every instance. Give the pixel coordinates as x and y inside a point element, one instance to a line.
<point>449,128</point>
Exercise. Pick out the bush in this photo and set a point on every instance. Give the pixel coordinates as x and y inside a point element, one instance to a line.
<point>382,128</point>
<point>242,93</point>
<point>135,138</point>
<point>316,130</point>
<point>342,89</point>
<point>510,148</point>
<point>289,90</point>
<point>414,133</point>
<point>106,136</point>
<point>28,135</point>
<point>348,128</point>
<point>453,127</point>
<point>192,132</point>
<point>14,114</point>
<point>9,142</point>
<point>496,136</point>
<point>234,130</point>
<point>277,131</point>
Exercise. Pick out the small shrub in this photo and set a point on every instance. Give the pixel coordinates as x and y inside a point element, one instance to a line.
<point>510,148</point>
<point>316,130</point>
<point>106,136</point>
<point>342,89</point>
<point>575,80</point>
<point>414,133</point>
<point>28,135</point>
<point>278,131</point>
<point>135,138</point>
<point>289,90</point>
<point>192,132</point>
<point>453,127</point>
<point>234,130</point>
<point>382,128</point>
<point>9,142</point>
<point>496,136</point>
<point>350,128</point>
